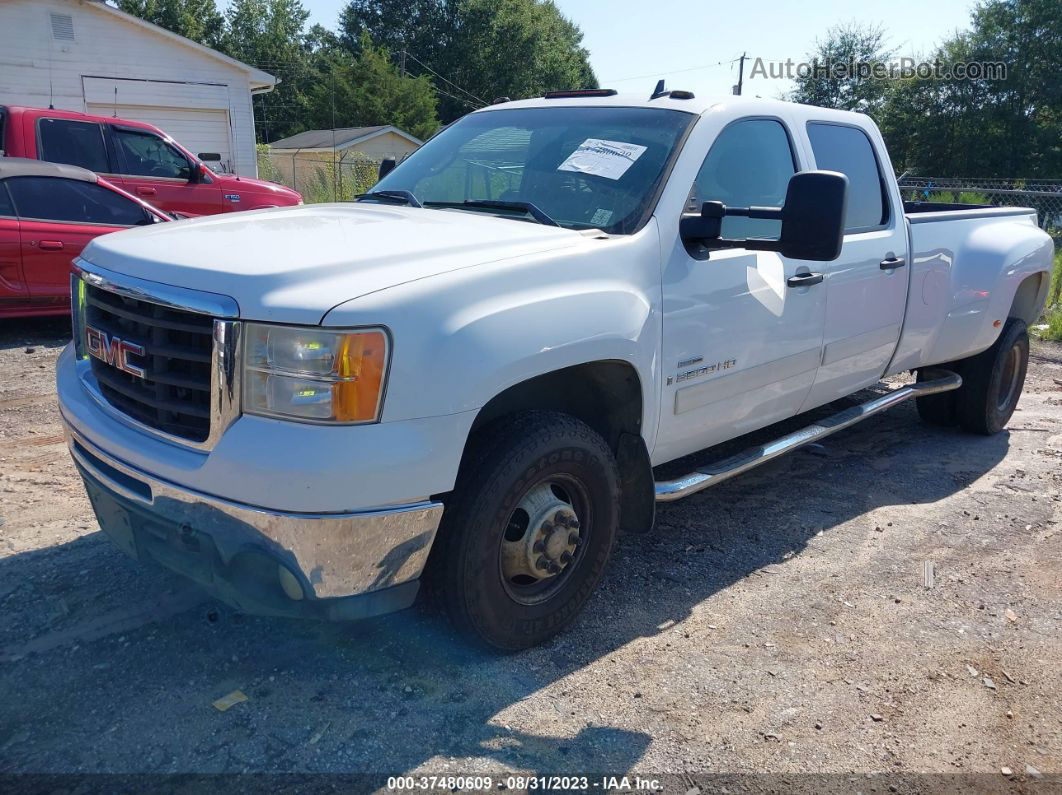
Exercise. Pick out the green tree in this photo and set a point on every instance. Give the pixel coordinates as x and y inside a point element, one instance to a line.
<point>855,48</point>
<point>987,127</point>
<point>269,35</point>
<point>198,20</point>
<point>474,50</point>
<point>366,90</point>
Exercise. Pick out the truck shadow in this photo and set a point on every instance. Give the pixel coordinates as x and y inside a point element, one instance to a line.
<point>401,694</point>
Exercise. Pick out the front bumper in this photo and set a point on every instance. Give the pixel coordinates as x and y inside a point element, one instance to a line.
<point>330,566</point>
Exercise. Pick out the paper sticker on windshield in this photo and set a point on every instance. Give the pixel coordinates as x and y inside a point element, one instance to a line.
<point>609,159</point>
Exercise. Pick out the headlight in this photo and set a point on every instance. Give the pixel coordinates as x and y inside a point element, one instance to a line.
<point>314,374</point>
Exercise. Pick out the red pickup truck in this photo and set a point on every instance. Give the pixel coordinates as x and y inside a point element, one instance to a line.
<point>137,157</point>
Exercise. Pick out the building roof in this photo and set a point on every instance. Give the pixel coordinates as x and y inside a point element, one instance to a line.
<point>25,167</point>
<point>340,138</point>
<point>260,81</point>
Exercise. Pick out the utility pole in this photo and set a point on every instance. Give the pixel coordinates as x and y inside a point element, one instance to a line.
<point>741,74</point>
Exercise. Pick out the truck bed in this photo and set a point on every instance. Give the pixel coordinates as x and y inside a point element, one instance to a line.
<point>921,212</point>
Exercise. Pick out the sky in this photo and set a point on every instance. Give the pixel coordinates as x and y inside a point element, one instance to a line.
<point>692,44</point>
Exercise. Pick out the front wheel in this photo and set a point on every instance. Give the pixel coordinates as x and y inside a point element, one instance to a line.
<point>529,529</point>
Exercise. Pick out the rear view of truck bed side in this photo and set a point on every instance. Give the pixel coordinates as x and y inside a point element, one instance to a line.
<point>972,268</point>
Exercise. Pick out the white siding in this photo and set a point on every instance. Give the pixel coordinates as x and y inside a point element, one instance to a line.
<point>36,69</point>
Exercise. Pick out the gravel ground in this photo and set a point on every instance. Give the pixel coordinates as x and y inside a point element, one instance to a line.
<point>777,624</point>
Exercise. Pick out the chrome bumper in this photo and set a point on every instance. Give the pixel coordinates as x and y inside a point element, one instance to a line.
<point>262,561</point>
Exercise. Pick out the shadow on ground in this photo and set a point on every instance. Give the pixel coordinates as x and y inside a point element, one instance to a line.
<point>116,666</point>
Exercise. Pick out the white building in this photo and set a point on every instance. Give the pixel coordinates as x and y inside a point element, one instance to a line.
<point>87,56</point>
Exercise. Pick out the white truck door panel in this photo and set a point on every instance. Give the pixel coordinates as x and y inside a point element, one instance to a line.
<point>865,299</point>
<point>740,347</point>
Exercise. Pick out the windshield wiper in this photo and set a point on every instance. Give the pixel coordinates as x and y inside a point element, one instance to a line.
<point>400,196</point>
<point>526,207</point>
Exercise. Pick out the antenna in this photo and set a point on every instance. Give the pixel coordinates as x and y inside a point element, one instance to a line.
<point>115,114</point>
<point>659,91</point>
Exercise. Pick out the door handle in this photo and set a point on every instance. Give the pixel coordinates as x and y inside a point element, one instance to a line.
<point>146,191</point>
<point>51,245</point>
<point>889,263</point>
<point>804,279</point>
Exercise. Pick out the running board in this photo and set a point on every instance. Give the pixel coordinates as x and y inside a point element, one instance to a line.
<point>700,479</point>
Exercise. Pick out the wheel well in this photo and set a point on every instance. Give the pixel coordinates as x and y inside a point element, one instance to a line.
<point>1028,299</point>
<point>606,395</point>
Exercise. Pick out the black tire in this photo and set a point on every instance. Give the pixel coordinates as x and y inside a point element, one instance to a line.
<point>525,461</point>
<point>938,409</point>
<point>993,380</point>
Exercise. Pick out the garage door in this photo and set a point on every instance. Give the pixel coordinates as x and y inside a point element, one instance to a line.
<point>197,130</point>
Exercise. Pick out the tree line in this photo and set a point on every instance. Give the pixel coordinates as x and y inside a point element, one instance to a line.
<point>416,64</point>
<point>952,126</point>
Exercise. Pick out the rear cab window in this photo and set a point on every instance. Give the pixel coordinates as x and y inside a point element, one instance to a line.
<point>848,150</point>
<point>76,143</point>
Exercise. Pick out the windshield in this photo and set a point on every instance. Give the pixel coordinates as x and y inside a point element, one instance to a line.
<point>584,168</point>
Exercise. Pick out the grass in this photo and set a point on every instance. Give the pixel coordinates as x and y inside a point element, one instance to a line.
<point>1053,310</point>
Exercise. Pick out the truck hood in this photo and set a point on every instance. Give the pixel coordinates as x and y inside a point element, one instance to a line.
<point>292,265</point>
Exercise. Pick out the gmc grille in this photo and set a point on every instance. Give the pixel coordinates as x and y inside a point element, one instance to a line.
<point>174,394</point>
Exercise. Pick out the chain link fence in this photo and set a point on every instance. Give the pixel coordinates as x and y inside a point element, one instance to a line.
<point>319,176</point>
<point>1043,195</point>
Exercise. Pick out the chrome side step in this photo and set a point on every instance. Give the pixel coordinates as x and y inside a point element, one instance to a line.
<point>700,479</point>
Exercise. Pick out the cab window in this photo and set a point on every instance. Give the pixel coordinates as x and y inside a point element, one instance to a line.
<point>848,150</point>
<point>7,209</point>
<point>76,143</point>
<point>750,163</point>
<point>73,201</point>
<point>144,154</point>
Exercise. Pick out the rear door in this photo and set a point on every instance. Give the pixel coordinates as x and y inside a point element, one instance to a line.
<point>57,219</point>
<point>866,287</point>
<point>12,285</point>
<point>152,168</point>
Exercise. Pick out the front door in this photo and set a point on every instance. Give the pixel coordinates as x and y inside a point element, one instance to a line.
<point>161,174</point>
<point>866,287</point>
<point>58,217</point>
<point>741,347</point>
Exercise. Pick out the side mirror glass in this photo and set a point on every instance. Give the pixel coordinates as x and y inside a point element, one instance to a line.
<point>210,157</point>
<point>812,219</point>
<point>387,165</point>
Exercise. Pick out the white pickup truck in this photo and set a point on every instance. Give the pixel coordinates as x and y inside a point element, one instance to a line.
<point>471,372</point>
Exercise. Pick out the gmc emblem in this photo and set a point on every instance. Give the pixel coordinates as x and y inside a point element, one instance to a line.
<point>113,351</point>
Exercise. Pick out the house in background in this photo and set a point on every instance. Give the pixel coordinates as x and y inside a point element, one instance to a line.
<point>345,159</point>
<point>87,56</point>
<point>372,143</point>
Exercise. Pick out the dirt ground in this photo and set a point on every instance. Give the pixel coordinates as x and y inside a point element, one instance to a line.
<point>777,624</point>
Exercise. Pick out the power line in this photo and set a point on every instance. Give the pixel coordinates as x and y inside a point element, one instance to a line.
<point>452,83</point>
<point>674,71</point>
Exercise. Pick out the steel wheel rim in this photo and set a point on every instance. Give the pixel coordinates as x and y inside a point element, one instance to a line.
<point>1009,379</point>
<point>524,527</point>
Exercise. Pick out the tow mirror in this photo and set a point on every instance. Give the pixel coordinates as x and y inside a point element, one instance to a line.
<point>812,219</point>
<point>210,157</point>
<point>387,165</point>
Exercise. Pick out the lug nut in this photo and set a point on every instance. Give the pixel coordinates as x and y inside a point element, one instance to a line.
<point>561,518</point>
<point>554,568</point>
<point>573,522</point>
<point>565,556</point>
<point>542,563</point>
<point>539,546</point>
<point>547,527</point>
<point>573,539</point>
